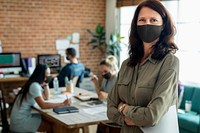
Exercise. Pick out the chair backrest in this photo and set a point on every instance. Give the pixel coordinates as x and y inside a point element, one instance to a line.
<point>109,127</point>
<point>4,121</point>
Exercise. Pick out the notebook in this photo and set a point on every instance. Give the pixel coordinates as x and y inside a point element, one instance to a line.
<point>85,97</point>
<point>95,102</point>
<point>66,109</point>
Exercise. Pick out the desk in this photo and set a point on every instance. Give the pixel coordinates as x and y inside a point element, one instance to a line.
<point>10,83</point>
<point>71,122</point>
<point>13,79</point>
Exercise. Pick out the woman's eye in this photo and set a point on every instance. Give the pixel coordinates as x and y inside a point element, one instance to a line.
<point>141,20</point>
<point>154,20</point>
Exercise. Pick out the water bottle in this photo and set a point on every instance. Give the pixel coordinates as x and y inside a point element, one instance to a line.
<point>55,84</point>
<point>67,84</point>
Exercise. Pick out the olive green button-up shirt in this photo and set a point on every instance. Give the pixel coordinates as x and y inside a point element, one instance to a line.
<point>149,90</point>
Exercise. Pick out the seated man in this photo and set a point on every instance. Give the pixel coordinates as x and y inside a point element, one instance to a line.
<point>71,70</point>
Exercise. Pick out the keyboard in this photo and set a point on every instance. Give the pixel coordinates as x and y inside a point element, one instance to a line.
<point>11,76</point>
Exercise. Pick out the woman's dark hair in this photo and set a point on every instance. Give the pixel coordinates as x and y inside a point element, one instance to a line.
<point>37,76</point>
<point>165,43</point>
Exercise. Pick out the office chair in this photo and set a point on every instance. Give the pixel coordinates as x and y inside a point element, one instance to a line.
<point>108,127</point>
<point>4,121</point>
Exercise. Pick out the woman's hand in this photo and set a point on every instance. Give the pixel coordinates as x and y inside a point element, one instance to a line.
<point>122,107</point>
<point>126,120</point>
<point>44,84</point>
<point>102,95</point>
<point>119,105</point>
<point>129,122</point>
<point>67,102</point>
<point>94,79</point>
<point>46,92</point>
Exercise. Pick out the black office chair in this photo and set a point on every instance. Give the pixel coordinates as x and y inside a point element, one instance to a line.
<point>4,121</point>
<point>108,127</point>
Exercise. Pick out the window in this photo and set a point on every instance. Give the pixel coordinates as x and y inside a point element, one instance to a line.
<point>187,21</point>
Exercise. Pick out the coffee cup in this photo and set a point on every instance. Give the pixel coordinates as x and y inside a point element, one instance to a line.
<point>188,105</point>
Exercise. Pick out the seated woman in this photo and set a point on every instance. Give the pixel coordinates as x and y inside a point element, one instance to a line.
<point>35,90</point>
<point>108,69</point>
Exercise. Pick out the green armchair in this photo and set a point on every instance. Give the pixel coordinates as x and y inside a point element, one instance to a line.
<point>189,122</point>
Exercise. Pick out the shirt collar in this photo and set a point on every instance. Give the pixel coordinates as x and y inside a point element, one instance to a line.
<point>153,61</point>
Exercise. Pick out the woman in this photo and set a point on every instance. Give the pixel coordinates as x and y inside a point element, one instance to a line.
<point>108,69</point>
<point>148,79</point>
<point>36,90</point>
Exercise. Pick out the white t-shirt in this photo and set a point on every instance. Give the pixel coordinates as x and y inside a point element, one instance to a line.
<point>22,120</point>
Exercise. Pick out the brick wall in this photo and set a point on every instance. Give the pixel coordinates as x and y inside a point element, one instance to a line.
<point>32,26</point>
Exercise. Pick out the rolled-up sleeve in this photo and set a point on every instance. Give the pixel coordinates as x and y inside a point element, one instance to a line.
<point>114,99</point>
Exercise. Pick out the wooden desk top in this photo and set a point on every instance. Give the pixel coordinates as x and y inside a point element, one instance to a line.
<point>13,79</point>
<point>75,120</point>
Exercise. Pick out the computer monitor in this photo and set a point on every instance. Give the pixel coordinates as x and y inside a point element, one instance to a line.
<point>10,62</point>
<point>52,60</point>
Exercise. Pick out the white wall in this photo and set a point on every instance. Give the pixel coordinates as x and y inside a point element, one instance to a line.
<point>110,18</point>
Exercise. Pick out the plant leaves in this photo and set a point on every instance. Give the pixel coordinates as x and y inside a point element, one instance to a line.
<point>94,47</point>
<point>92,41</point>
<point>99,29</point>
<point>92,34</point>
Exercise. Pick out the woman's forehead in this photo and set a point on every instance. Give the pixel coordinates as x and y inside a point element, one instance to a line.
<point>104,68</point>
<point>148,12</point>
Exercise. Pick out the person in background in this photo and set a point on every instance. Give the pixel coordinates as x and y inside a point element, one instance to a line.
<point>109,70</point>
<point>147,82</point>
<point>35,90</point>
<point>71,70</point>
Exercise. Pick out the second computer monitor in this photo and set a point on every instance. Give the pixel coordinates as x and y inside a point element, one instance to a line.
<point>10,62</point>
<point>52,60</point>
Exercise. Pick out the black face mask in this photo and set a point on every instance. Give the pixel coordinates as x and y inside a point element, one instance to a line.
<point>48,79</point>
<point>107,75</point>
<point>149,33</point>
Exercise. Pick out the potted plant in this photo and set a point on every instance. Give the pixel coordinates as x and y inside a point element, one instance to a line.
<point>114,47</point>
<point>99,41</point>
<point>98,38</point>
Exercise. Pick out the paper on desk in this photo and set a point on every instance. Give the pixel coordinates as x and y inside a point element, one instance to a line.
<point>80,117</point>
<point>95,110</point>
<point>168,123</point>
<point>59,98</point>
